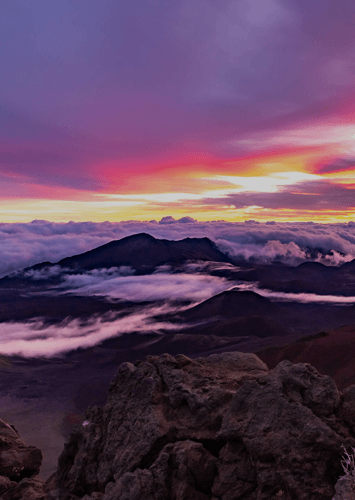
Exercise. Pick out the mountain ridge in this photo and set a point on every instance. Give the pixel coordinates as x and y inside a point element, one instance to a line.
<point>140,251</point>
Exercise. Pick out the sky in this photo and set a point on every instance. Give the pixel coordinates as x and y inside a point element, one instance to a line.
<point>228,110</point>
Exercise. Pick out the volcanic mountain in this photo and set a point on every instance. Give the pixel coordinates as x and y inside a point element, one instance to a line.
<point>143,252</point>
<point>33,292</point>
<point>232,304</point>
<point>235,313</point>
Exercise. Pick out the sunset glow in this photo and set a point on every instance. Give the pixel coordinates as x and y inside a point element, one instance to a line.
<point>109,115</point>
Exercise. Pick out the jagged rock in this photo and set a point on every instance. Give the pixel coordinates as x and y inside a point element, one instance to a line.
<point>344,489</point>
<point>27,489</point>
<point>6,484</point>
<point>18,466</point>
<point>216,428</point>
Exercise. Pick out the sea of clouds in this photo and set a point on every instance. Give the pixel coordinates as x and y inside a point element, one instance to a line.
<point>26,244</point>
<point>23,245</point>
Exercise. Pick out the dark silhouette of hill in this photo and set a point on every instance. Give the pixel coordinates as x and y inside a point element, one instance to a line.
<point>245,326</point>
<point>144,252</point>
<point>235,313</point>
<point>31,293</point>
<point>349,267</point>
<point>232,304</point>
<point>309,267</point>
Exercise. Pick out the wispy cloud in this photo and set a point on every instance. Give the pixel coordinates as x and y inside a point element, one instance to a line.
<point>337,165</point>
<point>304,298</point>
<point>34,338</point>
<point>159,286</point>
<point>308,195</point>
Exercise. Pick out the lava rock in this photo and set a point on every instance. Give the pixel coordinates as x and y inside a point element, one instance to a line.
<point>19,464</point>
<point>216,428</point>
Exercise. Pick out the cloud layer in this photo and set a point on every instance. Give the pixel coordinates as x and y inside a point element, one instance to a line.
<point>304,298</point>
<point>23,245</point>
<point>305,196</point>
<point>33,338</point>
<point>159,286</point>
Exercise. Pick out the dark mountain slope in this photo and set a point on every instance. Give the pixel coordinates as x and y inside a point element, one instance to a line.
<point>232,304</point>
<point>236,313</point>
<point>349,267</point>
<point>144,252</point>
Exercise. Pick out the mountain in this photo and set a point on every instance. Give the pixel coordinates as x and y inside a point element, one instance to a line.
<point>235,313</point>
<point>143,252</point>
<point>232,304</point>
<point>349,267</point>
<point>34,291</point>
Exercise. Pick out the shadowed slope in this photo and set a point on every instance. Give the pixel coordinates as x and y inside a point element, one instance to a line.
<point>232,304</point>
<point>143,252</point>
<point>332,353</point>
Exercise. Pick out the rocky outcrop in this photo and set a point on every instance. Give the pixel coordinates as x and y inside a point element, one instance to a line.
<point>216,428</point>
<point>19,464</point>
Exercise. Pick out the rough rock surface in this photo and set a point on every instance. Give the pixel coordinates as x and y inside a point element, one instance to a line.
<point>19,464</point>
<point>344,489</point>
<point>216,428</point>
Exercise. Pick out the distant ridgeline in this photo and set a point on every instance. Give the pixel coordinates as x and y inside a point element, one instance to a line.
<point>143,252</point>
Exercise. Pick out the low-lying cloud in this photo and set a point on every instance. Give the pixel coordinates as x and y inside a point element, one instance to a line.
<point>34,339</point>
<point>95,275</point>
<point>23,245</point>
<point>304,298</point>
<point>158,286</point>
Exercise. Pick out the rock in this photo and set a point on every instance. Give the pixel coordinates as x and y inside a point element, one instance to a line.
<point>216,428</point>
<point>344,489</point>
<point>17,460</point>
<point>18,466</point>
<point>348,408</point>
<point>6,484</point>
<point>27,489</point>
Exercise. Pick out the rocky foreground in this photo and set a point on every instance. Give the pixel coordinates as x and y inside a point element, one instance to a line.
<point>218,428</point>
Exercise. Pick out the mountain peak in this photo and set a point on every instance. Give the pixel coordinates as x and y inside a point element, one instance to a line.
<point>143,252</point>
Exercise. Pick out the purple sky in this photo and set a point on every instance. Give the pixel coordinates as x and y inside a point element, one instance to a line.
<point>155,97</point>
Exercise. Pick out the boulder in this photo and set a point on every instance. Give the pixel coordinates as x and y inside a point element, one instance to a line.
<point>216,428</point>
<point>26,489</point>
<point>19,464</point>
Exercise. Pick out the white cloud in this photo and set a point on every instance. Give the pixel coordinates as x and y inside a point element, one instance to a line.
<point>304,298</point>
<point>23,245</point>
<point>271,250</point>
<point>158,286</point>
<point>35,339</point>
<point>44,273</point>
